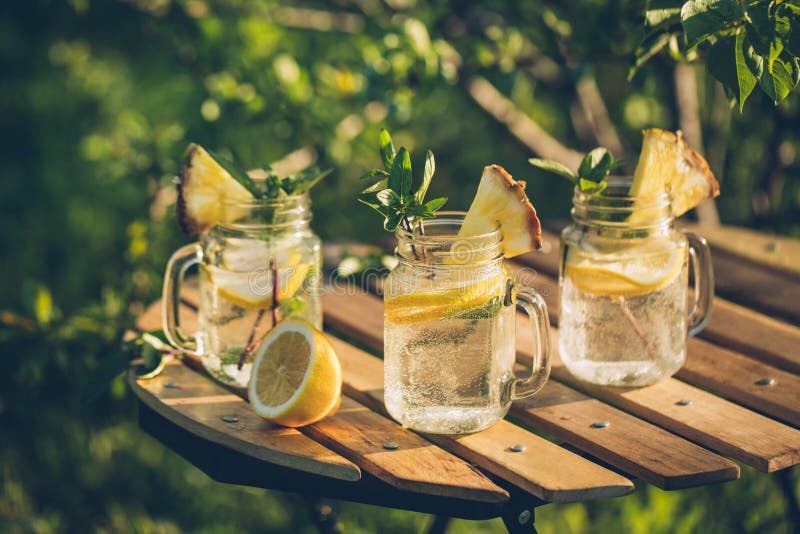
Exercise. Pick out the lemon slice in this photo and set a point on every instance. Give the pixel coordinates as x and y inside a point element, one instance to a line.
<point>626,277</point>
<point>296,378</point>
<point>429,306</point>
<point>253,289</point>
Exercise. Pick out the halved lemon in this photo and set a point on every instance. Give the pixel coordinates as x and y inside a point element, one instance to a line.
<point>253,289</point>
<point>625,277</point>
<point>425,306</point>
<point>296,378</point>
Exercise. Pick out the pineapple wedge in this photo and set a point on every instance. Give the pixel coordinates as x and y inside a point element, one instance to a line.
<point>203,187</point>
<point>667,163</point>
<point>501,200</point>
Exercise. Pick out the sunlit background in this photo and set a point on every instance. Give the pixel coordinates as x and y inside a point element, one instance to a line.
<point>98,99</point>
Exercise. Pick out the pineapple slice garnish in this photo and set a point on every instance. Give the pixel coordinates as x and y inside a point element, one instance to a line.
<point>203,188</point>
<point>502,200</point>
<point>667,163</point>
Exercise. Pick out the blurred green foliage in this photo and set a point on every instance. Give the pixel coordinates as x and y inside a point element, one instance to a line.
<point>98,100</point>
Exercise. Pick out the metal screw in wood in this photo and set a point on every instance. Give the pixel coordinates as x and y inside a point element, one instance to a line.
<point>684,402</point>
<point>517,447</point>
<point>391,445</point>
<point>766,381</point>
<point>230,418</point>
<point>600,424</point>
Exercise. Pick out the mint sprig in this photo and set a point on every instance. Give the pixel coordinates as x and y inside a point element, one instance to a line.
<point>592,172</point>
<point>273,186</point>
<point>396,192</point>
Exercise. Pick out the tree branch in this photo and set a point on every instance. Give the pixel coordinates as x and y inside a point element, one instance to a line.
<point>520,125</point>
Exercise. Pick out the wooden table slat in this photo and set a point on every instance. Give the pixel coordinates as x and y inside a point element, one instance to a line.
<point>417,465</point>
<point>710,420</point>
<point>198,404</point>
<point>543,469</point>
<point>359,315</point>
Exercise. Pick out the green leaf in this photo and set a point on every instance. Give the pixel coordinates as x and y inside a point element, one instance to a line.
<point>386,148</point>
<point>238,174</point>
<point>302,181</point>
<point>749,67</point>
<point>596,165</point>
<point>662,11</point>
<point>400,175</point>
<point>392,221</point>
<point>427,175</point>
<point>553,167</point>
<point>436,203</point>
<point>649,47</point>
<point>778,83</point>
<point>485,311</point>
<point>702,18</point>
<point>377,186</point>
<point>388,198</point>
<point>375,173</point>
<point>590,187</point>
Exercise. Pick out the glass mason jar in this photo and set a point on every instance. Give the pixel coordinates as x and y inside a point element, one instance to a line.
<point>624,288</point>
<point>238,260</point>
<point>449,330</point>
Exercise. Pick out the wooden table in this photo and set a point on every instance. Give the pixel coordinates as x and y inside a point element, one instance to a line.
<point>736,400</point>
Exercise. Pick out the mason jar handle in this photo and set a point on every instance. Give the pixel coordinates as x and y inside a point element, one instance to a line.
<point>703,273</point>
<point>532,302</point>
<point>181,260</point>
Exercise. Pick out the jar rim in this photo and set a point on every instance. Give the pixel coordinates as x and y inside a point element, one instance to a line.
<point>448,250</point>
<point>619,186</point>
<point>267,202</point>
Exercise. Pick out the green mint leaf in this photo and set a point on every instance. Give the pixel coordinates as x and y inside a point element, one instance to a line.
<point>388,198</point>
<point>304,180</point>
<point>596,165</point>
<point>485,311</point>
<point>377,186</point>
<point>553,167</point>
<point>590,187</point>
<point>291,307</point>
<point>778,83</point>
<point>430,168</point>
<point>238,174</point>
<point>392,221</point>
<point>386,148</point>
<point>649,47</point>
<point>374,205</point>
<point>435,204</point>
<point>373,174</point>
<point>400,175</point>
<point>658,12</point>
<point>702,18</point>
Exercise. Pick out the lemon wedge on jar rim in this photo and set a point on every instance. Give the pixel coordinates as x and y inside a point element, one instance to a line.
<point>625,277</point>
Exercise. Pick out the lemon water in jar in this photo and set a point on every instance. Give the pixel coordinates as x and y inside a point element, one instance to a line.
<point>261,265</point>
<point>624,311</point>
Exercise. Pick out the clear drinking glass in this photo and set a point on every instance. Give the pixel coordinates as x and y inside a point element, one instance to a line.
<point>624,288</point>
<point>449,319</point>
<point>237,263</point>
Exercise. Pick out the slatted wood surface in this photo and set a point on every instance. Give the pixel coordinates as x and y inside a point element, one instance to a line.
<point>647,433</point>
